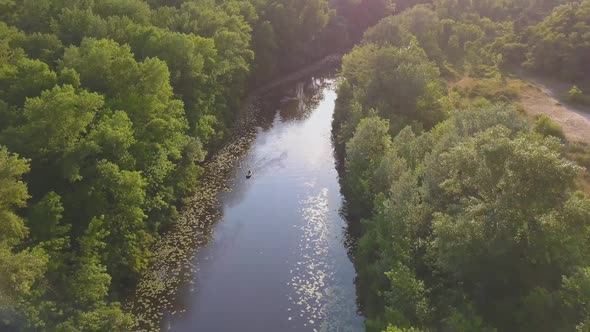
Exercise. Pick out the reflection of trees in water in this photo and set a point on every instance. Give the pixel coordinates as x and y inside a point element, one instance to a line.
<point>306,98</point>
<point>302,99</point>
<point>294,102</point>
<point>353,221</point>
<point>352,234</point>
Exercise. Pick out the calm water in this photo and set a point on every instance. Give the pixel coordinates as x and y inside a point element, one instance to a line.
<point>277,259</point>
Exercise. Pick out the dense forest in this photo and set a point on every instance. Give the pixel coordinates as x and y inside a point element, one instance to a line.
<point>107,109</point>
<point>471,215</point>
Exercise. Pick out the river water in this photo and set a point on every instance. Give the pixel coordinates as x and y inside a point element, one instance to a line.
<point>277,258</point>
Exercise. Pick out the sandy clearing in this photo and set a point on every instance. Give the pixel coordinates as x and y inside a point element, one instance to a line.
<point>543,98</point>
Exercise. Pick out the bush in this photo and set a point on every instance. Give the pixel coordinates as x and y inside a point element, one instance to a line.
<point>580,153</point>
<point>493,89</point>
<point>547,127</point>
<point>575,95</point>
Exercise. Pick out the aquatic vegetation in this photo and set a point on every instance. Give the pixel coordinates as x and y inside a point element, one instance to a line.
<point>173,255</point>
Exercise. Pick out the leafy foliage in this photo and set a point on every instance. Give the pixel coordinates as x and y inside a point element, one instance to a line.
<point>575,95</point>
<point>545,126</point>
<point>567,30</point>
<point>114,103</point>
<point>471,219</point>
<point>481,198</point>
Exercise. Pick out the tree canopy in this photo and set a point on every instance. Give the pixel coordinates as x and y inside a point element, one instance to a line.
<point>107,108</point>
<point>471,218</point>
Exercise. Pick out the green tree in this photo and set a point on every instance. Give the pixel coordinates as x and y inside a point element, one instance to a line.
<point>567,30</point>
<point>45,219</point>
<point>363,155</point>
<point>41,46</point>
<point>63,115</point>
<point>400,83</point>
<point>27,78</point>
<point>576,297</point>
<point>20,270</point>
<point>120,195</point>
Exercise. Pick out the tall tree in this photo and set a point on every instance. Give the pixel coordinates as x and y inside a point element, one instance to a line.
<point>20,270</point>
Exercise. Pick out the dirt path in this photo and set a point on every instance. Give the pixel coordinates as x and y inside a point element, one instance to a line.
<point>542,97</point>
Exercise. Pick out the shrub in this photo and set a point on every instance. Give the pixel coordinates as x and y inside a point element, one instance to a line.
<point>580,153</point>
<point>493,89</point>
<point>575,95</point>
<point>547,127</point>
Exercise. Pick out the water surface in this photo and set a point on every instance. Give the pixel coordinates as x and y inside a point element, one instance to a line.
<point>276,259</point>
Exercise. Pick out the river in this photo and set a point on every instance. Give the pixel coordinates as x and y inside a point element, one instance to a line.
<point>275,256</point>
